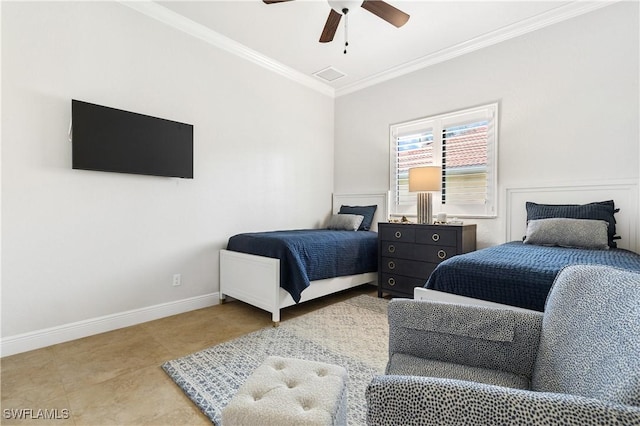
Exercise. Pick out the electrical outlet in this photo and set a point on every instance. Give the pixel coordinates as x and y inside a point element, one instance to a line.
<point>177,280</point>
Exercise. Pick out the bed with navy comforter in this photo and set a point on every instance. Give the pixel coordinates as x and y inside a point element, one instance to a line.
<point>518,274</point>
<point>312,254</point>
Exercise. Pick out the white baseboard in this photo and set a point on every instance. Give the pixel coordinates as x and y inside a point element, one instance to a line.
<point>63,333</point>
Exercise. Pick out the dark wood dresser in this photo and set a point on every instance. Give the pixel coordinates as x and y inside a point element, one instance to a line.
<point>407,253</point>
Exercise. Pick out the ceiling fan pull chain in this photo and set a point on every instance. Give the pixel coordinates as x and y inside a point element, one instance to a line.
<point>345,11</point>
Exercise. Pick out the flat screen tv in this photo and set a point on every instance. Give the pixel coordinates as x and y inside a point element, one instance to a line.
<point>112,140</point>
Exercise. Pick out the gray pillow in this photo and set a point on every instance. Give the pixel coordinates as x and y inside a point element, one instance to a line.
<point>566,232</point>
<point>345,222</point>
<point>599,210</point>
<point>366,211</point>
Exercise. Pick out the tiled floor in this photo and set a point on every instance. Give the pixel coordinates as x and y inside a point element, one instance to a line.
<point>115,378</point>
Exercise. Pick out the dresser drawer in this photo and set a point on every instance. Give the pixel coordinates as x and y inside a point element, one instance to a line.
<point>398,284</point>
<point>408,268</point>
<point>401,233</point>
<point>433,235</point>
<point>423,253</point>
<point>408,253</point>
<point>398,250</point>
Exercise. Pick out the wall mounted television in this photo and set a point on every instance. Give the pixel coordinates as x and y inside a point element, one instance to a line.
<point>112,140</point>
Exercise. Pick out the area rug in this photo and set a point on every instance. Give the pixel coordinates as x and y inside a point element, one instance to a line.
<point>353,334</point>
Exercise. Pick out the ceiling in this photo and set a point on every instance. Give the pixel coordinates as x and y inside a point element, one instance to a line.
<point>284,36</point>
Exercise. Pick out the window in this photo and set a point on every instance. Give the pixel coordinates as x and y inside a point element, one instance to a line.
<point>464,143</point>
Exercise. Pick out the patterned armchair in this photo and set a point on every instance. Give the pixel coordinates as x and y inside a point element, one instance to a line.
<point>576,364</point>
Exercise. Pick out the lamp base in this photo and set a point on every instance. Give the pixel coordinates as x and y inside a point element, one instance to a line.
<point>425,213</point>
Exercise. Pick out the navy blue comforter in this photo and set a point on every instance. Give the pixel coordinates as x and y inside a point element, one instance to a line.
<point>518,274</point>
<point>312,254</point>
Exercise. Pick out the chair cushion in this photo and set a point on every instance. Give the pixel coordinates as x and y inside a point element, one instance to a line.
<point>498,326</point>
<point>408,365</point>
<point>590,341</point>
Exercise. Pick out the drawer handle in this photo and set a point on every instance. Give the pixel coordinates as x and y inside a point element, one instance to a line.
<point>435,237</point>
<point>398,234</point>
<point>442,254</point>
<point>392,248</point>
<point>391,281</point>
<point>392,264</point>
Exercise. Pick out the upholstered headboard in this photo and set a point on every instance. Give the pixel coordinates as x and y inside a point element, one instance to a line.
<point>625,196</point>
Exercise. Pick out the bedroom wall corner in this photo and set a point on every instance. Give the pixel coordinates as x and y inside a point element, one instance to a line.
<point>80,245</point>
<point>568,100</point>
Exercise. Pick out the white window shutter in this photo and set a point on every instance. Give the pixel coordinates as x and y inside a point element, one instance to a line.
<point>464,143</point>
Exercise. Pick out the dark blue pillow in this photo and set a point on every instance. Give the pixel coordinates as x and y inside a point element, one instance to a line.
<point>600,210</point>
<point>366,211</point>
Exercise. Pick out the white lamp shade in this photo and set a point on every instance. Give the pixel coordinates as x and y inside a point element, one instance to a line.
<point>425,178</point>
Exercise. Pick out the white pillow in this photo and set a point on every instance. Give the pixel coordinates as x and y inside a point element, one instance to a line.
<point>345,222</point>
<point>565,232</point>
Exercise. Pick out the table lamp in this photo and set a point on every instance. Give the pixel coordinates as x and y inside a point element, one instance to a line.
<point>424,180</point>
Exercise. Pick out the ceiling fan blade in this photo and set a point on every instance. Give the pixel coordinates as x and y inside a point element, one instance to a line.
<point>330,27</point>
<point>387,12</point>
<point>275,1</point>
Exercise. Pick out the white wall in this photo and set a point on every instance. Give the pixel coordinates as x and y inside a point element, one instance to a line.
<point>80,245</point>
<point>569,108</point>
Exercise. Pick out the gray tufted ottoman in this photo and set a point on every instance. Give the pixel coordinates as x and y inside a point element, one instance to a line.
<point>286,391</point>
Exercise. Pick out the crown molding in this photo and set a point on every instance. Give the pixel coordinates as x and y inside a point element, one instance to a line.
<point>175,20</point>
<point>534,23</point>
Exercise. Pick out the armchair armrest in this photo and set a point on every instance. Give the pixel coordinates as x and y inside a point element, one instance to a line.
<point>477,336</point>
<point>415,400</point>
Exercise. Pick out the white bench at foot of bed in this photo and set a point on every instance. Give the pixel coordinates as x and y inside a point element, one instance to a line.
<point>256,281</point>
<point>421,293</point>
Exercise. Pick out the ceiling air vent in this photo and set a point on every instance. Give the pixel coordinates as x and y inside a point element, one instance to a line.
<point>329,74</point>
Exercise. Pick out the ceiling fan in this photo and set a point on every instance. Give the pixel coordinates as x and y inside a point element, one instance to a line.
<point>341,8</point>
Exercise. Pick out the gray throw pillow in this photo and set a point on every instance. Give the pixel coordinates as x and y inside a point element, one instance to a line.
<point>345,222</point>
<point>599,210</point>
<point>366,211</point>
<point>565,232</point>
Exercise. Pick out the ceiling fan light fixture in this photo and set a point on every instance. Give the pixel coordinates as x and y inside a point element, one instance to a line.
<point>340,8</point>
<point>341,5</point>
